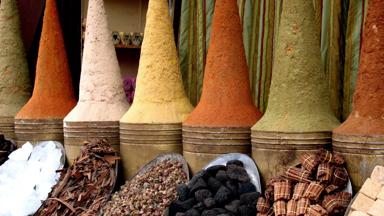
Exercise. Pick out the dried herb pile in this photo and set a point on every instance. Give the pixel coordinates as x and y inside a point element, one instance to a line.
<point>6,148</point>
<point>148,194</point>
<point>218,190</point>
<point>313,188</point>
<point>86,185</point>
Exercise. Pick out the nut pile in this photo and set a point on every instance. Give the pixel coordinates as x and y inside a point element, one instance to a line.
<point>313,188</point>
<point>149,193</point>
<point>219,190</point>
<point>85,186</point>
<point>6,148</point>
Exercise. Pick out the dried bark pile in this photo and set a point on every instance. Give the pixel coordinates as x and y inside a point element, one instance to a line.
<point>86,185</point>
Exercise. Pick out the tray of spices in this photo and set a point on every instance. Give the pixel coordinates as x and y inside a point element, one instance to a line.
<point>229,185</point>
<point>151,190</point>
<point>318,186</point>
<point>85,186</point>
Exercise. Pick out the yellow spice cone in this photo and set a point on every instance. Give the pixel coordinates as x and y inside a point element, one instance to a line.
<point>15,88</point>
<point>153,123</point>
<point>159,95</point>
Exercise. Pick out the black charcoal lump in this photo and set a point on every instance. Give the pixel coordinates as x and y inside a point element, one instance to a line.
<point>219,190</point>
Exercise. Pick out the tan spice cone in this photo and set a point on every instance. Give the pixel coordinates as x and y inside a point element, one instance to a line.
<point>102,100</point>
<point>298,118</point>
<point>15,88</point>
<point>160,103</point>
<point>222,120</point>
<point>361,137</point>
<point>41,118</point>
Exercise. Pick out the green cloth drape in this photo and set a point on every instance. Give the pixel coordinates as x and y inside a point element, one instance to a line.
<point>340,26</point>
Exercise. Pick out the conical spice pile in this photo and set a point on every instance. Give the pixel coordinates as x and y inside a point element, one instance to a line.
<point>42,117</point>
<point>221,121</point>
<point>102,99</point>
<point>298,118</point>
<point>15,88</point>
<point>361,137</point>
<point>153,123</point>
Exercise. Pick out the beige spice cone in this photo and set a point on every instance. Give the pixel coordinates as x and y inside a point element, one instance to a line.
<point>102,96</point>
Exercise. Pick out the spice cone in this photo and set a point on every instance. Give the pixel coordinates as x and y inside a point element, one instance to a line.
<point>160,103</point>
<point>159,95</point>
<point>53,95</point>
<point>298,117</point>
<point>102,99</point>
<point>361,137</point>
<point>226,108</point>
<point>15,88</point>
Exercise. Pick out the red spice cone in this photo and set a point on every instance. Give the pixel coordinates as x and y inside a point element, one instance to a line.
<point>367,117</point>
<point>53,95</point>
<point>226,100</point>
<point>221,122</point>
<point>360,139</point>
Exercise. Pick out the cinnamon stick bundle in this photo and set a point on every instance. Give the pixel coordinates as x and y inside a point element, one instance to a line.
<point>86,185</point>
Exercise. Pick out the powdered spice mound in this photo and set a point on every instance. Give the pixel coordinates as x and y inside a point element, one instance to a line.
<point>53,95</point>
<point>15,88</point>
<point>299,97</point>
<point>101,85</point>
<point>159,95</point>
<point>367,116</point>
<point>226,100</point>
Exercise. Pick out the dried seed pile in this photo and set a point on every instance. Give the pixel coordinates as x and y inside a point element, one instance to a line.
<point>149,193</point>
<point>86,185</point>
<point>218,190</point>
<point>6,148</point>
<point>313,188</point>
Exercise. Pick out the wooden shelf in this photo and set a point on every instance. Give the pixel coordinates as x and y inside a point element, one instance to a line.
<point>122,46</point>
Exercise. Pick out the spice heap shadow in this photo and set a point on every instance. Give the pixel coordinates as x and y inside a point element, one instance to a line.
<point>223,190</point>
<point>222,120</point>
<point>315,187</point>
<point>149,193</point>
<point>85,186</point>
<point>361,137</point>
<point>53,97</point>
<point>15,88</point>
<point>102,100</point>
<point>152,125</point>
<point>298,118</point>
<point>6,148</point>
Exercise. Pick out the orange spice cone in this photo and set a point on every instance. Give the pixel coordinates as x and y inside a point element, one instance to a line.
<point>298,118</point>
<point>15,88</point>
<point>361,137</point>
<point>221,121</point>
<point>41,118</point>
<point>153,123</point>
<point>102,100</point>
